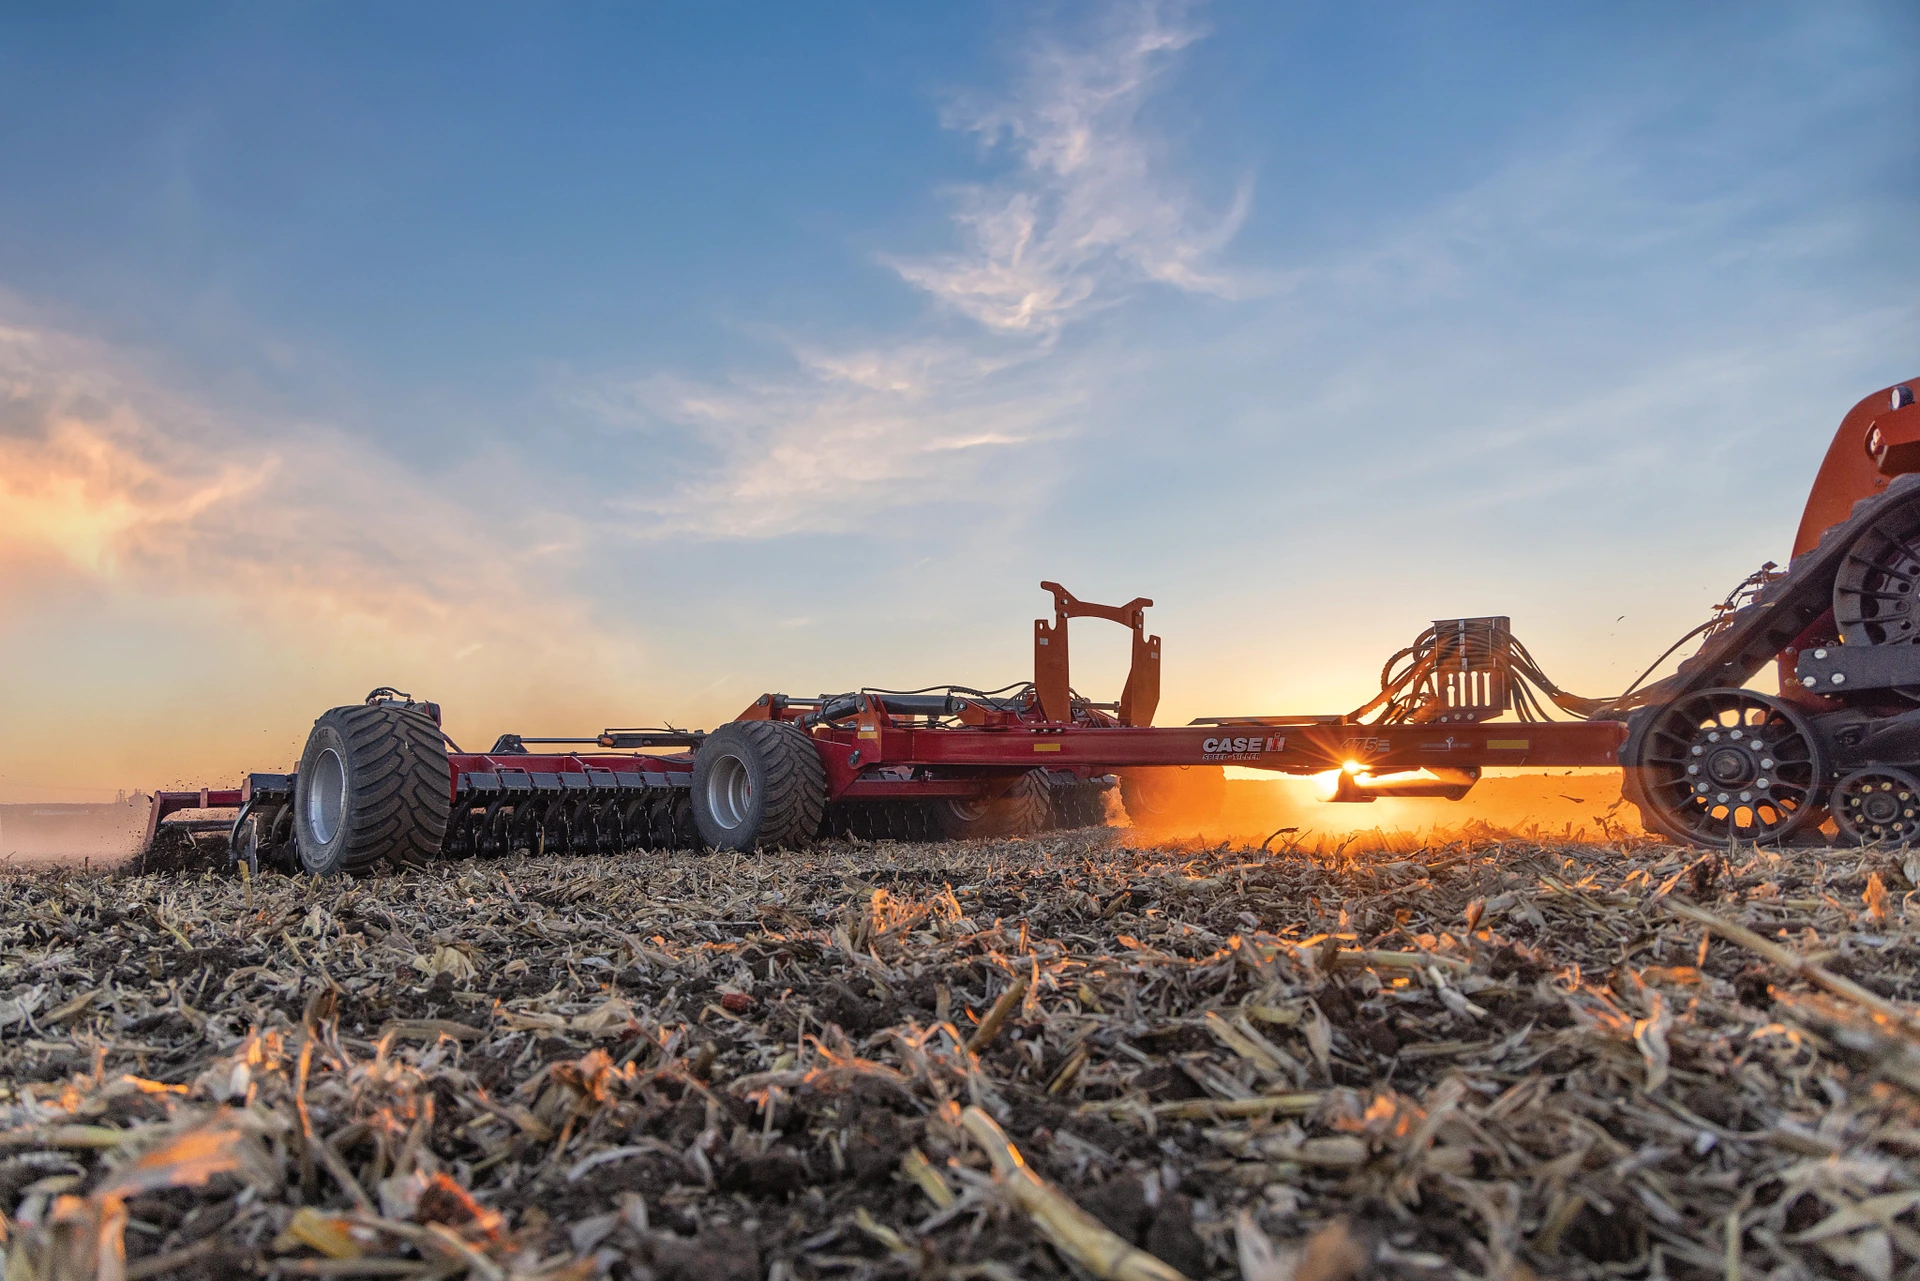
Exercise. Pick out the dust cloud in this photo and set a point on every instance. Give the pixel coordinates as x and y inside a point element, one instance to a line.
<point>1562,805</point>
<point>51,832</point>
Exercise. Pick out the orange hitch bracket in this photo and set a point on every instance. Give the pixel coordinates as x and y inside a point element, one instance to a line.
<point>1051,681</point>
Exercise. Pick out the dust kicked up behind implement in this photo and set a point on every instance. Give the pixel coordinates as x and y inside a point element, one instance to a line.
<point>1830,751</point>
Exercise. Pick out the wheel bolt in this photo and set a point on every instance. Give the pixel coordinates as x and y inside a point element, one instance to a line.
<point>1693,769</point>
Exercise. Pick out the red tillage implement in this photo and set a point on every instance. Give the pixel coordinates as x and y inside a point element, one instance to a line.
<point>1832,755</point>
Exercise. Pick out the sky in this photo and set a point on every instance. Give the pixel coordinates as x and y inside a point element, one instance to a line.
<point>597,365</point>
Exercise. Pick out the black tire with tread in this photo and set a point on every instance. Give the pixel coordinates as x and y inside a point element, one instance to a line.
<point>1026,808</point>
<point>788,785</point>
<point>399,793</point>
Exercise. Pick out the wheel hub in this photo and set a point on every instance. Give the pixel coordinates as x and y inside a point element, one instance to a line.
<point>729,792</point>
<point>1730,767</point>
<point>1881,807</point>
<point>327,796</point>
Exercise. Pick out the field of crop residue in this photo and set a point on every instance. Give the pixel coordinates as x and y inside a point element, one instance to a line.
<point>1065,1056</point>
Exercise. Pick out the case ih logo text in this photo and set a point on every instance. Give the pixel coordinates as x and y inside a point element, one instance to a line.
<point>1241,749</point>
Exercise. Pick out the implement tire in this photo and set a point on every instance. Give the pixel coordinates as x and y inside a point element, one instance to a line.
<point>374,783</point>
<point>758,783</point>
<point>1026,808</point>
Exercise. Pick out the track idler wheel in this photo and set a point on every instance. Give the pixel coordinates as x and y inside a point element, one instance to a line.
<point>374,784</point>
<point>1877,804</point>
<point>758,783</point>
<point>1725,767</point>
<point>1876,593</point>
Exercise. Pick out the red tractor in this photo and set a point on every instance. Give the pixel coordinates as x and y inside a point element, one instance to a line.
<point>1708,759</point>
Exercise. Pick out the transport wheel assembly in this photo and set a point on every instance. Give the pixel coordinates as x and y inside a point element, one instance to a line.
<point>758,783</point>
<point>374,783</point>
<point>1725,766</point>
<point>1878,803</point>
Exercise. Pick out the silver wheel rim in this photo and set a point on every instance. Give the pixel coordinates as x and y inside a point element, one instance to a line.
<point>729,792</point>
<point>327,796</point>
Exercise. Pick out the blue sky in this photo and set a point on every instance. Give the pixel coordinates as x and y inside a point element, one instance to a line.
<point>598,365</point>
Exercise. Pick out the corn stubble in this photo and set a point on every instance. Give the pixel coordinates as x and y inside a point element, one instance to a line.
<point>1049,1057</point>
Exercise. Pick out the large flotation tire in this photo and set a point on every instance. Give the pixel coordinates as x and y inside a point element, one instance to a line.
<point>758,783</point>
<point>374,783</point>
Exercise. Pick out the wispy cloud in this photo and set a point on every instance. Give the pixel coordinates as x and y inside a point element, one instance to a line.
<point>109,479</point>
<point>848,435</point>
<point>1088,211</point>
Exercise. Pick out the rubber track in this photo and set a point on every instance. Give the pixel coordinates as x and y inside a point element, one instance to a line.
<point>402,798</point>
<point>795,797</point>
<point>1784,608</point>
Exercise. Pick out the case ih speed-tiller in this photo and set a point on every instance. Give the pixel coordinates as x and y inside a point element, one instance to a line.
<point>1707,759</point>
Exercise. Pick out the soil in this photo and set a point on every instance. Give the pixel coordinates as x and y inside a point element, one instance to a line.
<point>1491,1058</point>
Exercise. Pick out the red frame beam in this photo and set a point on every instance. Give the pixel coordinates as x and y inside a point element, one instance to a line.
<point>1290,749</point>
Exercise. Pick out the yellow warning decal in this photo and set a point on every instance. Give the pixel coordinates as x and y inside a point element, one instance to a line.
<point>1508,744</point>
<point>1046,747</point>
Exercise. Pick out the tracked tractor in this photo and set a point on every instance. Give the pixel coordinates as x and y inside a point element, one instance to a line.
<point>1830,750</point>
